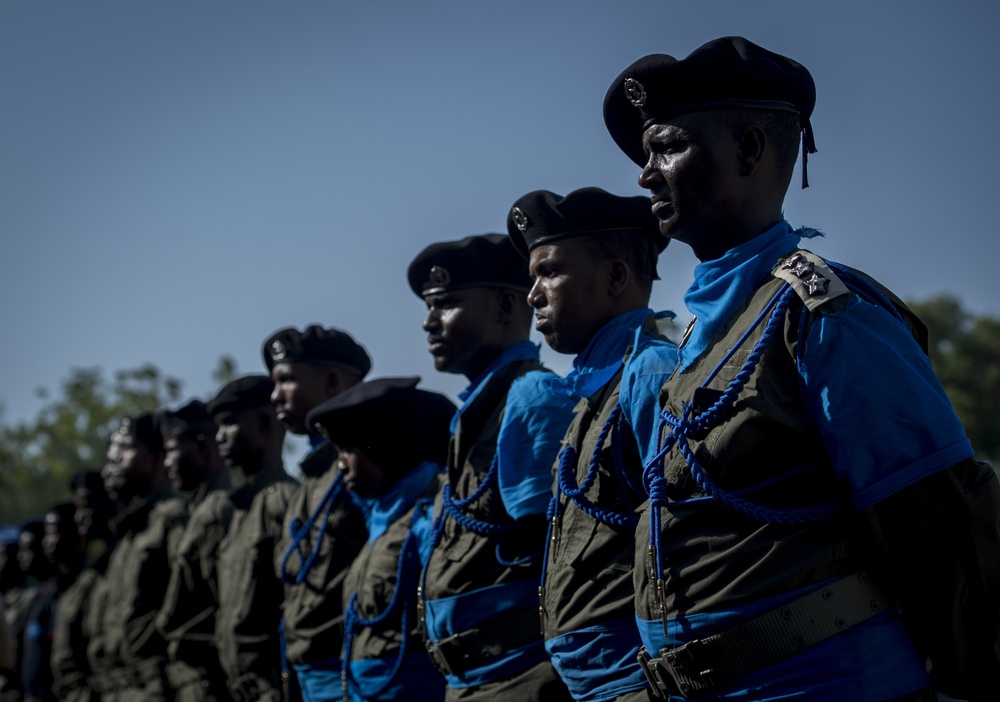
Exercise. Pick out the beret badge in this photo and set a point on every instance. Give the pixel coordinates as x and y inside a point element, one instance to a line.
<point>635,92</point>
<point>278,350</point>
<point>439,277</point>
<point>520,219</point>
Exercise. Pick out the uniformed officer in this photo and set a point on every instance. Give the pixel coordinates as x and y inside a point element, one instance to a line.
<point>187,617</point>
<point>324,529</point>
<point>128,657</point>
<point>251,439</point>
<point>70,638</point>
<point>64,549</point>
<point>817,528</point>
<point>392,440</point>
<point>31,569</point>
<point>592,256</point>
<point>480,586</point>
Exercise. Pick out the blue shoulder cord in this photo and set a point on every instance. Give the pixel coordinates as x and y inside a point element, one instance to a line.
<point>566,483</point>
<point>682,427</point>
<point>298,531</point>
<point>452,507</point>
<point>354,621</point>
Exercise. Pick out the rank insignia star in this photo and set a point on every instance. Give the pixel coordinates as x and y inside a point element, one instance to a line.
<point>803,269</point>
<point>816,284</point>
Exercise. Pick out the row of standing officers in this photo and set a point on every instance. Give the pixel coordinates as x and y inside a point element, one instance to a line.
<point>740,516</point>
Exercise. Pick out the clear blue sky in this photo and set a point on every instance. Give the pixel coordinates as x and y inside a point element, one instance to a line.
<point>179,179</point>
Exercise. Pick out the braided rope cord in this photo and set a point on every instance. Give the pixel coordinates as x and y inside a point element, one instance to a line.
<point>353,621</point>
<point>298,531</point>
<point>578,492</point>
<point>681,428</point>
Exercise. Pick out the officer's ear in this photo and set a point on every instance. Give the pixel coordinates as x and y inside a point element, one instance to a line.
<point>506,304</point>
<point>334,383</point>
<point>751,142</point>
<point>619,275</point>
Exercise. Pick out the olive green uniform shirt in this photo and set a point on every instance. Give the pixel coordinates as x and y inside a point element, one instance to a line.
<point>313,611</point>
<point>187,617</point>
<point>128,658</point>
<point>250,594</point>
<point>71,635</point>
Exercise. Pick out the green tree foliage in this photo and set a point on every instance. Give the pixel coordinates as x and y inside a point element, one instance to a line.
<point>70,434</point>
<point>965,353</point>
<point>225,371</point>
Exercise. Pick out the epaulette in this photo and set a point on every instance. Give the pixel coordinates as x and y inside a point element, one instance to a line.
<point>813,280</point>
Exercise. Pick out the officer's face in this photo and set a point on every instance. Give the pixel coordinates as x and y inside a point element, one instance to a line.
<point>91,506</point>
<point>27,551</point>
<point>569,294</point>
<point>50,542</point>
<point>361,476</point>
<point>185,460</point>
<point>298,388</point>
<point>693,161</point>
<point>62,543</point>
<point>130,469</point>
<point>458,326</point>
<point>239,438</point>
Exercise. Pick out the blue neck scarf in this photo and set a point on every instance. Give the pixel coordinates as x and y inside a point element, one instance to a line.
<point>524,351</point>
<point>382,511</point>
<point>603,357</point>
<point>722,285</point>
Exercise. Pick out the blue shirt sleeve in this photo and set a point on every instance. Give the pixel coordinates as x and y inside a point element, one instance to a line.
<point>531,432</point>
<point>646,370</point>
<point>883,416</point>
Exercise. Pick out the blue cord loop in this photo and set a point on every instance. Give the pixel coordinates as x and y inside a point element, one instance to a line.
<point>399,604</point>
<point>454,508</point>
<point>566,482</point>
<point>298,531</point>
<point>689,424</point>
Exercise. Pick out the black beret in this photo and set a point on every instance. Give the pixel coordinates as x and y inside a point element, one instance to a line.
<point>541,217</point>
<point>486,260</point>
<point>193,416</point>
<point>393,422</point>
<point>243,393</point>
<point>145,429</point>
<point>726,73</point>
<point>316,345</point>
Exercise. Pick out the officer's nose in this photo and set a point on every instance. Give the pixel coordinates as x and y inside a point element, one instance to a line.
<point>535,296</point>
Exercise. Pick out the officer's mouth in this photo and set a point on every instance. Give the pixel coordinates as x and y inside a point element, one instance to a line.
<point>661,207</point>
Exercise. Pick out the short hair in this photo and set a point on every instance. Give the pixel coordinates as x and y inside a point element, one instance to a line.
<point>783,131</point>
<point>639,253</point>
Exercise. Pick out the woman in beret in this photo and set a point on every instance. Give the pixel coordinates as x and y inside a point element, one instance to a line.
<point>392,440</point>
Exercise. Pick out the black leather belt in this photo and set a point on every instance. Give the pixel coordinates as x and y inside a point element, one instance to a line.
<point>711,663</point>
<point>484,643</point>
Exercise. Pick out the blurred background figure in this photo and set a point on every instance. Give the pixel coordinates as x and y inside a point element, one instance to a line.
<point>65,551</point>
<point>71,637</point>
<point>251,439</point>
